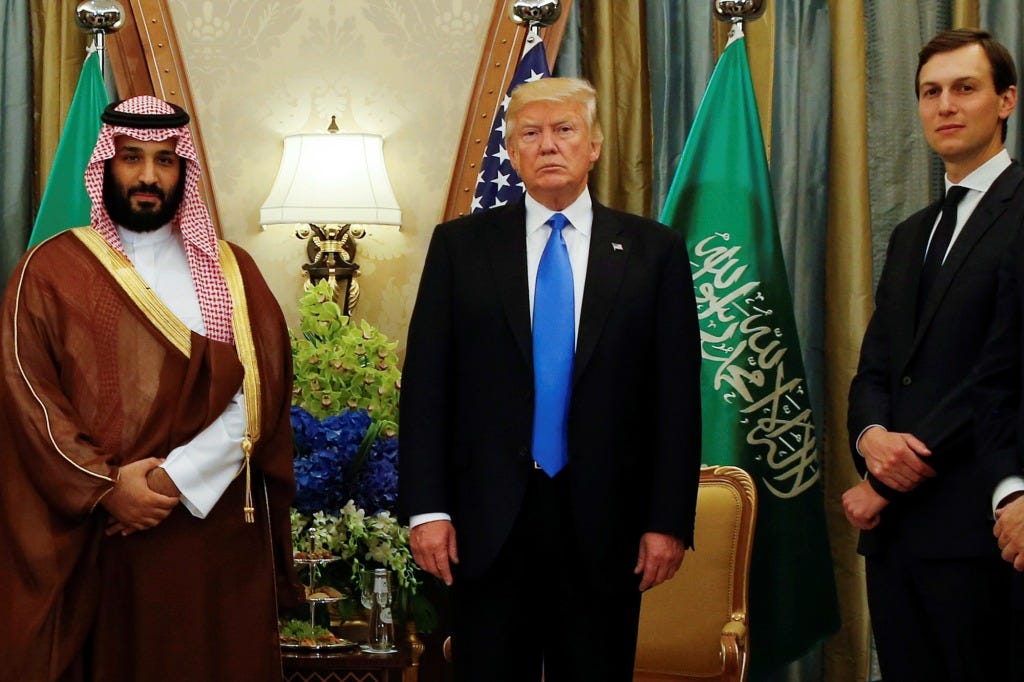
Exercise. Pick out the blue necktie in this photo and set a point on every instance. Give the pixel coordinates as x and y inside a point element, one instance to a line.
<point>554,340</point>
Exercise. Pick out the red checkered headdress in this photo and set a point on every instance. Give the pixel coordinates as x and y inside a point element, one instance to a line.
<point>149,119</point>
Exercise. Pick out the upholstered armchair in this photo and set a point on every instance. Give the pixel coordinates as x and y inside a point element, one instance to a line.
<point>694,627</point>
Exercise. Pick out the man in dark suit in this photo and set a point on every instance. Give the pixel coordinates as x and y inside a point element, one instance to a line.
<point>999,432</point>
<point>935,581</point>
<point>549,494</point>
<point>999,414</point>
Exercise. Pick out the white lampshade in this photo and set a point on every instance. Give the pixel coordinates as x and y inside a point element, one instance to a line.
<point>332,178</point>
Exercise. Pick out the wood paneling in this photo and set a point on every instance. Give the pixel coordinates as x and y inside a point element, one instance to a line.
<point>146,60</point>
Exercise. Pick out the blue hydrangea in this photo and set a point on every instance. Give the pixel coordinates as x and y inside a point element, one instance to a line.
<point>304,427</point>
<point>325,454</point>
<point>386,448</point>
<point>375,487</point>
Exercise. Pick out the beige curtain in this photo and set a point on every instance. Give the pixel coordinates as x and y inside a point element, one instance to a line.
<point>58,50</point>
<point>966,13</point>
<point>618,69</point>
<point>848,291</point>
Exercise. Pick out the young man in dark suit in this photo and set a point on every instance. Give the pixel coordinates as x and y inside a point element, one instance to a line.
<point>935,580</point>
<point>550,456</point>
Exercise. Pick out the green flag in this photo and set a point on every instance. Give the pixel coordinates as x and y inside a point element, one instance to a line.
<point>65,203</point>
<point>756,411</point>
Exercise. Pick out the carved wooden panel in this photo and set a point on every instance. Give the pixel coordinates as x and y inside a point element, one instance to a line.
<point>146,60</point>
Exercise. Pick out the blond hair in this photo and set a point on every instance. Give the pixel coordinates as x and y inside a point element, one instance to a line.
<point>565,90</point>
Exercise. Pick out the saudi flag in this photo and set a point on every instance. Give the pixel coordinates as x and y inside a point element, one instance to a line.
<point>65,203</point>
<point>756,411</point>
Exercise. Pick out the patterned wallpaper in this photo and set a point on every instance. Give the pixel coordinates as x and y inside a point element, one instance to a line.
<point>402,69</point>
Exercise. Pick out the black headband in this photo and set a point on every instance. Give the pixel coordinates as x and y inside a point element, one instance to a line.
<point>128,120</point>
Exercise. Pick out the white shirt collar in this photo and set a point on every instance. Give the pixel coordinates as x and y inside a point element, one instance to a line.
<point>580,213</point>
<point>982,177</point>
<point>132,239</point>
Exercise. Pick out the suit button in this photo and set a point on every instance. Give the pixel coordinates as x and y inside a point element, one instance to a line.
<point>524,452</point>
<point>906,381</point>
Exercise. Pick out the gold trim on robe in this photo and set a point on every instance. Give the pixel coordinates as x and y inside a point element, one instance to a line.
<point>122,270</point>
<point>246,348</point>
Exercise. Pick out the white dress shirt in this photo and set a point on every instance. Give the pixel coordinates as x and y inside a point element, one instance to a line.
<point>977,183</point>
<point>205,466</point>
<point>576,233</point>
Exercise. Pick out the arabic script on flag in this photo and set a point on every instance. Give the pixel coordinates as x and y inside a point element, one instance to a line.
<point>748,350</point>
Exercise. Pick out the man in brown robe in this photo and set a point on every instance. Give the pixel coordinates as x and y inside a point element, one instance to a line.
<point>145,444</point>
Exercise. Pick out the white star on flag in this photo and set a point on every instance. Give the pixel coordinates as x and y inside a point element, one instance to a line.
<point>502,180</point>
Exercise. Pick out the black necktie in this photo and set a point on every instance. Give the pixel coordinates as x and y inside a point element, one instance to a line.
<point>940,241</point>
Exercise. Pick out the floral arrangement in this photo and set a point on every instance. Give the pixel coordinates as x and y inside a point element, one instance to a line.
<point>346,456</point>
<point>345,422</point>
<point>341,366</point>
<point>361,541</point>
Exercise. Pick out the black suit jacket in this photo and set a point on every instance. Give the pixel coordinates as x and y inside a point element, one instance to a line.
<point>1000,376</point>
<point>916,378</point>
<point>998,387</point>
<point>467,393</point>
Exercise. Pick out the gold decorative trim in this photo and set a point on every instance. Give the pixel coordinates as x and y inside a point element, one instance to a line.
<point>740,483</point>
<point>736,477</point>
<point>122,270</point>
<point>246,349</point>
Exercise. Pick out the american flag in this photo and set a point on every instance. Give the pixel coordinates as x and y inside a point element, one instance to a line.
<point>497,184</point>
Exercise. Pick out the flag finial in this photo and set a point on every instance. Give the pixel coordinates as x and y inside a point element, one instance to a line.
<point>103,16</point>
<point>535,12</point>
<point>99,17</point>
<point>737,11</point>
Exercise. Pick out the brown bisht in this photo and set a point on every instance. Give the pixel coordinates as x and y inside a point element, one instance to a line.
<point>94,378</point>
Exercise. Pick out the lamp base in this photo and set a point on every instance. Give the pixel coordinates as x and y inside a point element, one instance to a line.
<point>331,250</point>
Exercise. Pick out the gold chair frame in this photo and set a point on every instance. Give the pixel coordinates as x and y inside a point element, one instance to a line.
<point>694,627</point>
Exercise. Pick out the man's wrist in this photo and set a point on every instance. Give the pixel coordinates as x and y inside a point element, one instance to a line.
<point>863,431</point>
<point>420,519</point>
<point>1008,490</point>
<point>882,489</point>
<point>159,481</point>
<point>1009,499</point>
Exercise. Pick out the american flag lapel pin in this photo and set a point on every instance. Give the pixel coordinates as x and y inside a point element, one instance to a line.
<point>616,246</point>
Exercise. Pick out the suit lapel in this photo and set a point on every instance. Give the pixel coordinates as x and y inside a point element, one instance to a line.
<point>988,211</point>
<point>506,250</point>
<point>609,253</point>
<point>910,280</point>
<point>920,248</point>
